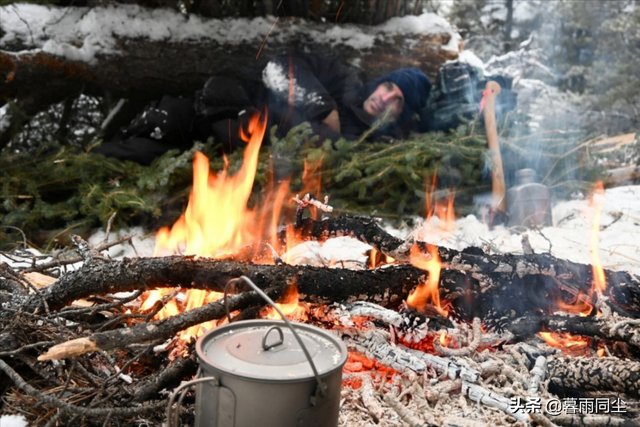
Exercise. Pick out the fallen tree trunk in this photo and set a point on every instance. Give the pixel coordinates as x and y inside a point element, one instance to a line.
<point>45,68</point>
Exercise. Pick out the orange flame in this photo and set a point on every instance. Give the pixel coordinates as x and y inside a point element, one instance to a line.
<point>290,306</point>
<point>442,209</point>
<point>372,258</point>
<point>217,221</point>
<point>569,344</point>
<point>427,293</point>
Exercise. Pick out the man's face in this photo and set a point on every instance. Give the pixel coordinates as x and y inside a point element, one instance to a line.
<point>386,97</point>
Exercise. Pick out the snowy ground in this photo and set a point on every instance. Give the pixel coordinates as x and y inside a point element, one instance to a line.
<point>619,237</point>
<point>568,238</point>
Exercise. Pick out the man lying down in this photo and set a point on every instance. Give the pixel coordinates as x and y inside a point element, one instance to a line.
<point>296,87</point>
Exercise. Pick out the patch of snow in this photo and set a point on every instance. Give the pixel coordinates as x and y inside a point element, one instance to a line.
<point>471,58</point>
<point>5,118</point>
<point>427,23</point>
<point>143,243</point>
<point>343,252</point>
<point>350,36</point>
<point>80,33</point>
<point>13,421</point>
<point>275,78</point>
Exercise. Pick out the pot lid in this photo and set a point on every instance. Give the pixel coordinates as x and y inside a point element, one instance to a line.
<point>237,349</point>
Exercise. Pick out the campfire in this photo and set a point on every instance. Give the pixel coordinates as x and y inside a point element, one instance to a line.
<point>436,336</point>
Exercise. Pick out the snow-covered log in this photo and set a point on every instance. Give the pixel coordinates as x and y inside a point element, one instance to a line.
<point>131,52</point>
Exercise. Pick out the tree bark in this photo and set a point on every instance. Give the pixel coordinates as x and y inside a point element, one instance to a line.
<point>318,285</point>
<point>603,374</point>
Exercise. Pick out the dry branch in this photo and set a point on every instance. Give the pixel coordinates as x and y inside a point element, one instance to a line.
<point>144,332</point>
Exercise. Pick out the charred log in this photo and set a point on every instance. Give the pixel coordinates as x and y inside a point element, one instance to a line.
<point>492,269</point>
<point>317,285</point>
<point>572,374</point>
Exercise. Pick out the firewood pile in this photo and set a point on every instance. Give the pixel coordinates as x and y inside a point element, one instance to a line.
<point>84,350</point>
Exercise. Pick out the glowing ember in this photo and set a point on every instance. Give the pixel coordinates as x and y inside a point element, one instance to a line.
<point>569,344</point>
<point>427,293</point>
<point>443,339</point>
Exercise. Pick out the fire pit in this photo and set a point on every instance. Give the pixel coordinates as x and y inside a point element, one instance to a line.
<point>436,336</point>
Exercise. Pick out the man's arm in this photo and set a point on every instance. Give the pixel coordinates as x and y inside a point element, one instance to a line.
<point>294,78</point>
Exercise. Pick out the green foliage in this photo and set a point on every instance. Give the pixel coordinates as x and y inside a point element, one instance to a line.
<point>391,179</point>
<point>55,191</point>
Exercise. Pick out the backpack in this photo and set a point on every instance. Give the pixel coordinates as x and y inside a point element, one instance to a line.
<point>456,96</point>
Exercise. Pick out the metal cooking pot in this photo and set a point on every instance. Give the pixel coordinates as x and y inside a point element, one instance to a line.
<point>267,373</point>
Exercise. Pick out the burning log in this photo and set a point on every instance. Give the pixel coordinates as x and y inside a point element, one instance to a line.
<point>596,327</point>
<point>492,270</point>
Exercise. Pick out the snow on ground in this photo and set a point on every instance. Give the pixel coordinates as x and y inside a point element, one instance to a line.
<point>568,238</point>
<point>13,421</point>
<point>80,33</point>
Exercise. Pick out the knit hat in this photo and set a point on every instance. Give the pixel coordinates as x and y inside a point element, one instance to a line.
<point>415,87</point>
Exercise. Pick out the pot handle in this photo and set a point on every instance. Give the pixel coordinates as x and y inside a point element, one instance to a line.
<point>172,418</point>
<point>266,346</point>
<point>321,387</point>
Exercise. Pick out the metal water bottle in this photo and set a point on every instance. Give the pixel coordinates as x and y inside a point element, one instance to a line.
<point>528,202</point>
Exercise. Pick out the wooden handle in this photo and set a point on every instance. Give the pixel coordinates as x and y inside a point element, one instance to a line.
<point>498,188</point>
